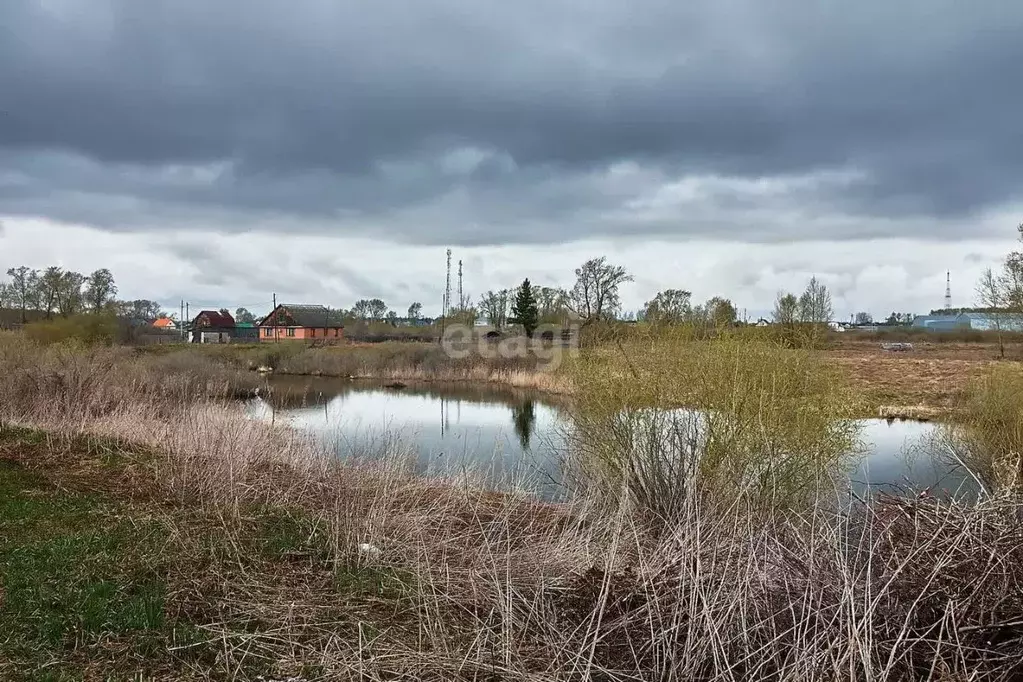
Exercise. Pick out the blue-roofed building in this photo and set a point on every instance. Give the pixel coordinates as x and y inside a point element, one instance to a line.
<point>1006,322</point>
<point>938,323</point>
<point>983,322</point>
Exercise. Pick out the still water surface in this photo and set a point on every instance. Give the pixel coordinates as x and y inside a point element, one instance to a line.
<point>516,438</point>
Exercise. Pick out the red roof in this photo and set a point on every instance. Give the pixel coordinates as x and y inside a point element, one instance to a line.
<point>164,322</point>
<point>216,318</point>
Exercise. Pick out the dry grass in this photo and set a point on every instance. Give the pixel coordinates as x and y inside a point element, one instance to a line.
<point>458,583</point>
<point>930,379</point>
<point>400,361</point>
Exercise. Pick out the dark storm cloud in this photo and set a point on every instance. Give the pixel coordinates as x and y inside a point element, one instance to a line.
<point>485,122</point>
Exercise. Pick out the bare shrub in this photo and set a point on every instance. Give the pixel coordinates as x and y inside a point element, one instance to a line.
<point>667,414</point>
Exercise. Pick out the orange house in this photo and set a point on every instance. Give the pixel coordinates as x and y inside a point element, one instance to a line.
<point>289,322</point>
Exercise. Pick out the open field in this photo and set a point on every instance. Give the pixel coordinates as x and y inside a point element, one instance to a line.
<point>927,381</point>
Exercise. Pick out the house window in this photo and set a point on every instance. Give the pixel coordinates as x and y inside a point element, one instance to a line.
<point>267,332</point>
<point>291,331</point>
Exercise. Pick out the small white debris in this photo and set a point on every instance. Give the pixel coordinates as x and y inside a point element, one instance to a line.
<point>366,548</point>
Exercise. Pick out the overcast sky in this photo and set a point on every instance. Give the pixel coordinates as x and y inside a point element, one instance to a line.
<point>329,150</point>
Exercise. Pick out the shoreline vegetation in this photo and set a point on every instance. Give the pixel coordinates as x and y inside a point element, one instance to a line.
<point>926,383</point>
<point>150,531</point>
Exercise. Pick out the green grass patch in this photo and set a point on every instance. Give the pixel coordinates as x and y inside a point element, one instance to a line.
<point>355,580</point>
<point>74,574</point>
<point>286,535</point>
<point>94,586</point>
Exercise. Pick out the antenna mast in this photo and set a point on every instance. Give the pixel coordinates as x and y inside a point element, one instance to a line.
<point>948,290</point>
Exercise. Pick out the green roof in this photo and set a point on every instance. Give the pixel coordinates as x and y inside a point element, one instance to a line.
<point>245,325</point>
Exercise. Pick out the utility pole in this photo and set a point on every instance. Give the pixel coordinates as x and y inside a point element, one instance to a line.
<point>181,320</point>
<point>188,320</point>
<point>277,338</point>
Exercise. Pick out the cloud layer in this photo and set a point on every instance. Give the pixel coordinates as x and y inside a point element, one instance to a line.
<point>484,123</point>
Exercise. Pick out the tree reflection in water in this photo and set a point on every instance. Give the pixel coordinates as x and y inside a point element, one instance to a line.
<point>524,419</point>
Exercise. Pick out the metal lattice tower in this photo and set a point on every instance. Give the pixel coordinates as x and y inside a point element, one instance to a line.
<point>461,298</point>
<point>948,290</point>
<point>447,287</point>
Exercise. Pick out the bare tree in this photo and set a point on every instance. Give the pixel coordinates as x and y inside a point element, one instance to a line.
<point>7,297</point>
<point>377,309</point>
<point>1002,293</point>
<point>361,309</point>
<point>494,307</point>
<point>721,312</point>
<point>670,306</point>
<point>551,304</point>
<point>815,303</point>
<point>69,293</point>
<point>24,289</point>
<point>863,318</point>
<point>786,309</point>
<point>139,311</point>
<point>99,289</point>
<point>1003,290</point>
<point>50,283</point>
<point>595,294</point>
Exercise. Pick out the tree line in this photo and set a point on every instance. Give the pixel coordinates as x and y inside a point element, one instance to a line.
<point>593,296</point>
<point>57,292</point>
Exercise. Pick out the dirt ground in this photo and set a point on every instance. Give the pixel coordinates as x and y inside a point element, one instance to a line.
<point>925,381</point>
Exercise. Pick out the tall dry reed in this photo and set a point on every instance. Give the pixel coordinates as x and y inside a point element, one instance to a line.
<point>986,433</point>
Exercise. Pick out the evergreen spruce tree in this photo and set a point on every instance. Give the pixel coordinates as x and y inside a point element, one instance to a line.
<point>524,310</point>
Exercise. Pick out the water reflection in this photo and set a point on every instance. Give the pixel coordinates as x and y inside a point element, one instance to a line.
<point>524,419</point>
<point>900,458</point>
<point>510,437</point>
<point>517,438</point>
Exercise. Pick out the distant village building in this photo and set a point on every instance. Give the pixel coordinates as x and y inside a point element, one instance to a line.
<point>165,323</point>
<point>246,332</point>
<point>290,322</point>
<point>212,326</point>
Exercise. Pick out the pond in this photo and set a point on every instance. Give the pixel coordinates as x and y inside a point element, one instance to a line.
<point>517,439</point>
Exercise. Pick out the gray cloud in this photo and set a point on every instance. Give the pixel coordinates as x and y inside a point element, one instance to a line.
<point>483,122</point>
